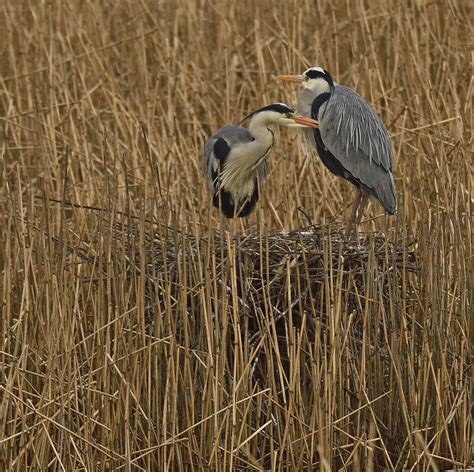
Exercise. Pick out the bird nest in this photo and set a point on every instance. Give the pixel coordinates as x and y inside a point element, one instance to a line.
<point>309,273</point>
<point>310,279</point>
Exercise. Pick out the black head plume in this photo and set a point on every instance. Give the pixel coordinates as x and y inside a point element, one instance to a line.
<point>320,73</point>
<point>282,108</point>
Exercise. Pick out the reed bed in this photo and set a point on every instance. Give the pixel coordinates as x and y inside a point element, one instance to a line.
<point>141,331</point>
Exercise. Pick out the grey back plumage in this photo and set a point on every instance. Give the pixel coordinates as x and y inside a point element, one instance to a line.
<point>356,136</point>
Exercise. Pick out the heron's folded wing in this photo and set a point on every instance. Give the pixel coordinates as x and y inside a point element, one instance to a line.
<point>352,130</point>
<point>358,139</point>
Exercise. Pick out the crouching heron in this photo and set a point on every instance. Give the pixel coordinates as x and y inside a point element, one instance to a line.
<point>235,158</point>
<point>351,140</point>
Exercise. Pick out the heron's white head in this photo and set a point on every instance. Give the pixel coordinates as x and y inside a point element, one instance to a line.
<point>316,79</point>
<point>283,115</point>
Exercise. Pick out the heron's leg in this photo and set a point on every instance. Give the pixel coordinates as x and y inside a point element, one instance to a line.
<point>363,203</point>
<point>351,229</point>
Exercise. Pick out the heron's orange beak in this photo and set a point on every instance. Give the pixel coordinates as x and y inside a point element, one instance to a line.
<point>297,79</point>
<point>303,120</point>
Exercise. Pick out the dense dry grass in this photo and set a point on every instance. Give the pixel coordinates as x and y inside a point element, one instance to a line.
<point>139,331</point>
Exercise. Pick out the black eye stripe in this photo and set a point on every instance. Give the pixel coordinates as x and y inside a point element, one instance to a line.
<point>277,107</point>
<point>314,74</point>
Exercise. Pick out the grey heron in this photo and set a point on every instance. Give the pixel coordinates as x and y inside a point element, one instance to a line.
<point>235,158</point>
<point>351,141</point>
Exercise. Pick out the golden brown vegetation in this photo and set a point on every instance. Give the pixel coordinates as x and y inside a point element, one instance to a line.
<point>141,332</point>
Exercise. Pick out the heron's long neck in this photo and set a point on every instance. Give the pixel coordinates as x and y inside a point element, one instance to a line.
<point>305,101</point>
<point>308,96</point>
<point>263,136</point>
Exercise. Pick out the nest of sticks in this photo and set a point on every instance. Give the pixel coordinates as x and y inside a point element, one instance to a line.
<point>278,282</point>
<point>308,272</point>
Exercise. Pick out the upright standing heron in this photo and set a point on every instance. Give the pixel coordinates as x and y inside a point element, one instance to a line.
<point>235,158</point>
<point>351,140</point>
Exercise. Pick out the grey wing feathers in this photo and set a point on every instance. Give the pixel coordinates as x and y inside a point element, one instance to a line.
<point>358,139</point>
<point>208,161</point>
<point>234,134</point>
